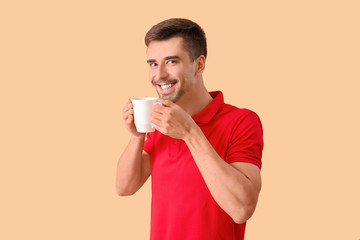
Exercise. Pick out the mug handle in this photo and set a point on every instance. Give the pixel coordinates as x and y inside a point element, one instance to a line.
<point>159,103</point>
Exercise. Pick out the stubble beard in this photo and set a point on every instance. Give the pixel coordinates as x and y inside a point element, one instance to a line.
<point>174,97</point>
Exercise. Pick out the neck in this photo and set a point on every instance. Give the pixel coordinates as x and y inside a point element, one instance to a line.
<point>195,101</point>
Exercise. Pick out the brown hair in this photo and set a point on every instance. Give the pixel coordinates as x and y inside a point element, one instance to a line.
<point>192,34</point>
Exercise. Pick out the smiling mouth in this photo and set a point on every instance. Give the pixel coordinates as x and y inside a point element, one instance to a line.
<point>165,85</point>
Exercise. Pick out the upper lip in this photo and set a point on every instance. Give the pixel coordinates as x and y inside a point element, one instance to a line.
<point>165,83</point>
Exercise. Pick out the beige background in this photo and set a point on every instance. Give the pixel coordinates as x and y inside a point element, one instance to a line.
<point>67,67</point>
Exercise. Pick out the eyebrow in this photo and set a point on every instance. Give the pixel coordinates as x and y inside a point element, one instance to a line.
<point>166,58</point>
<point>171,57</point>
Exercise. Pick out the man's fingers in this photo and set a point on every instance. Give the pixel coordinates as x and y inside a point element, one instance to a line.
<point>157,125</point>
<point>127,113</point>
<point>156,117</point>
<point>158,108</point>
<point>164,106</point>
<point>125,108</point>
<point>129,119</point>
<point>166,103</point>
<point>128,105</point>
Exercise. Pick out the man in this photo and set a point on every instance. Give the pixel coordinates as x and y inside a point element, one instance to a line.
<point>205,155</point>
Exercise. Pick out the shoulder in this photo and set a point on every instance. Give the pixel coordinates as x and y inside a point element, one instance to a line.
<point>235,113</point>
<point>240,121</point>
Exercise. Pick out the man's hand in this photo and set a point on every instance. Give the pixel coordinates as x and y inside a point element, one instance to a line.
<point>171,120</point>
<point>128,116</point>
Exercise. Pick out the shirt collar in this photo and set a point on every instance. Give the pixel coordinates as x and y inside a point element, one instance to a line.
<point>205,115</point>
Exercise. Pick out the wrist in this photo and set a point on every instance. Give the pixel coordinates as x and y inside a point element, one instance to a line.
<point>138,136</point>
<point>194,132</point>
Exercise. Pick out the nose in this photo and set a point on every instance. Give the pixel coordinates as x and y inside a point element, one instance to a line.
<point>161,72</point>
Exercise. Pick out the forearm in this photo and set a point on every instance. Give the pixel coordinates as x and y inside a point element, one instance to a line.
<point>130,169</point>
<point>231,189</point>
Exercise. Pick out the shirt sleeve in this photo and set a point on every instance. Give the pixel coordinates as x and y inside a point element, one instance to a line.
<point>148,143</point>
<point>246,141</point>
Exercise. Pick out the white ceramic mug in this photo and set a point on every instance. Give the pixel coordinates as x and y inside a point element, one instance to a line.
<point>142,110</point>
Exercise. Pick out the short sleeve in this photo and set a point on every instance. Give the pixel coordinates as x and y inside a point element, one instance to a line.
<point>246,141</point>
<point>148,143</point>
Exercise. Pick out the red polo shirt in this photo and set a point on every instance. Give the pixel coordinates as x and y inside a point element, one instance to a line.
<point>182,207</point>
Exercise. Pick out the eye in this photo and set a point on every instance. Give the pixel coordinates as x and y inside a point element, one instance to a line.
<point>152,64</point>
<point>171,62</point>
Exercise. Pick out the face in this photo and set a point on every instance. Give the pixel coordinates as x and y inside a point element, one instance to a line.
<point>172,72</point>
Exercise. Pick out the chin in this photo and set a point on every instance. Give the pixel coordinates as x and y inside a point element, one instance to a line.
<point>167,97</point>
<point>174,98</point>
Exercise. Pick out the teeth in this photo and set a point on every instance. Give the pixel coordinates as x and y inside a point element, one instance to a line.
<point>166,86</point>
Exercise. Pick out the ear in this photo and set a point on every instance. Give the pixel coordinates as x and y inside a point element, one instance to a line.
<point>200,65</point>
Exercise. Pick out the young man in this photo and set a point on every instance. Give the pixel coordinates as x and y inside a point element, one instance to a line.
<point>205,155</point>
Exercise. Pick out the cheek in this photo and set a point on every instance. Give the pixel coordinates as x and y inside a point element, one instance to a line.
<point>181,73</point>
<point>151,75</point>
<point>189,74</point>
<point>189,71</point>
